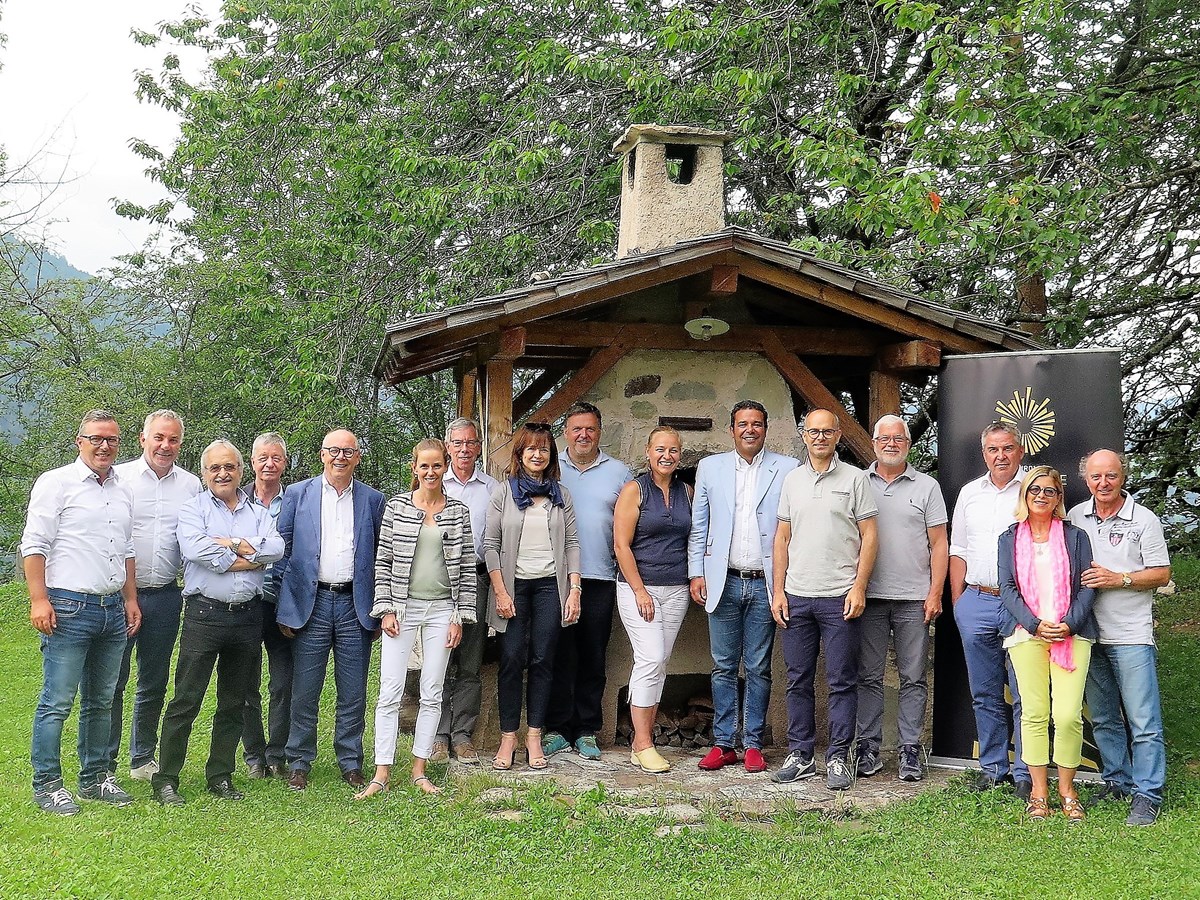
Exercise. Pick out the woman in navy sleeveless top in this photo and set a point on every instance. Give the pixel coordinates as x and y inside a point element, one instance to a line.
<point>650,532</point>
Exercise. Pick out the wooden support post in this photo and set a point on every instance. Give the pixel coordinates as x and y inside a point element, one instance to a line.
<point>499,397</point>
<point>885,396</point>
<point>809,386</point>
<point>466,377</point>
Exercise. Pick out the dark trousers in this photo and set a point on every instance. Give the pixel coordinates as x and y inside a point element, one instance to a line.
<point>577,692</point>
<point>461,693</point>
<point>155,643</point>
<point>259,747</point>
<point>813,621</point>
<point>529,641</point>
<point>214,634</point>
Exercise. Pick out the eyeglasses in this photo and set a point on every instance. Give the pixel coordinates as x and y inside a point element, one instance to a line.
<point>888,439</point>
<point>458,445</point>
<point>815,433</point>
<point>335,452</point>
<point>1048,492</point>
<point>97,440</point>
<point>218,468</point>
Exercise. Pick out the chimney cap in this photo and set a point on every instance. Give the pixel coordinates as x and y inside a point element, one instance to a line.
<point>671,134</point>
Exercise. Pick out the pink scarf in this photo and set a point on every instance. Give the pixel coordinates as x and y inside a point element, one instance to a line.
<point>1061,652</point>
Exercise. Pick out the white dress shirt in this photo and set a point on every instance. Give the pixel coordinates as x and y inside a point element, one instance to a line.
<point>475,492</point>
<point>745,548</point>
<point>83,528</point>
<point>981,515</point>
<point>156,503</point>
<point>336,565</point>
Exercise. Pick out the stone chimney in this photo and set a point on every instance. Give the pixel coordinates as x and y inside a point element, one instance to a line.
<point>672,185</point>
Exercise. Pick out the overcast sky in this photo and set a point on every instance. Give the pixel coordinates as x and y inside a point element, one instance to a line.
<point>67,102</point>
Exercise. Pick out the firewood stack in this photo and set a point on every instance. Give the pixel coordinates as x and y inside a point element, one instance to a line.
<point>689,728</point>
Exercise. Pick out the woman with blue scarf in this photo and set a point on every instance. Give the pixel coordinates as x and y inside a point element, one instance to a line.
<point>532,555</point>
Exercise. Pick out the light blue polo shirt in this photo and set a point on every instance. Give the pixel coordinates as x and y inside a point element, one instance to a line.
<point>594,493</point>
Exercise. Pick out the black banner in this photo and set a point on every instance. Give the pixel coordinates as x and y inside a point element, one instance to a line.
<point>1064,403</point>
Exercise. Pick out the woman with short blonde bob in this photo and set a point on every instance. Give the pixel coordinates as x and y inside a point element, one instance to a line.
<point>1050,630</point>
<point>424,584</point>
<point>650,534</point>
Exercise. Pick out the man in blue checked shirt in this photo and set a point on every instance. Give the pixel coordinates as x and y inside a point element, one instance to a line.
<point>226,541</point>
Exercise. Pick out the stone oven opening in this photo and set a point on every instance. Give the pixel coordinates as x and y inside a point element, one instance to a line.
<point>685,714</point>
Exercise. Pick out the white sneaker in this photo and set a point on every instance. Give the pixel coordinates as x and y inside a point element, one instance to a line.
<point>145,772</point>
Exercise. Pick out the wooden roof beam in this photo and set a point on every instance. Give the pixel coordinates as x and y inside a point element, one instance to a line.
<point>910,356</point>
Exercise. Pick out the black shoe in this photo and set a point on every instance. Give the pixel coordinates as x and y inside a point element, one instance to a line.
<point>910,763</point>
<point>224,789</point>
<point>1023,789</point>
<point>1143,812</point>
<point>168,796</point>
<point>257,771</point>
<point>869,762</point>
<point>985,782</point>
<point>1107,791</point>
<point>278,771</point>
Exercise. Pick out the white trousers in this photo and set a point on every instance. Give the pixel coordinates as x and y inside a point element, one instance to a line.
<point>652,641</point>
<point>430,620</point>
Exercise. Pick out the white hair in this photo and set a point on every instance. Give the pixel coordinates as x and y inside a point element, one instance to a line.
<point>889,419</point>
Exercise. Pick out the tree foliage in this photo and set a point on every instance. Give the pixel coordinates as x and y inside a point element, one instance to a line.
<point>351,162</point>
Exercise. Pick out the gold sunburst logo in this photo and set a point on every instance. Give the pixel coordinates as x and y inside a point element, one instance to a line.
<point>1033,419</point>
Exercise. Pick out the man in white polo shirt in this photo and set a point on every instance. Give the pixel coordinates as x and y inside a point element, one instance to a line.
<point>903,597</point>
<point>825,548</point>
<point>79,565</point>
<point>159,489</point>
<point>1130,560</point>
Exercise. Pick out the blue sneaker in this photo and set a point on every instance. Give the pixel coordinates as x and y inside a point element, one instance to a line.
<point>587,747</point>
<point>554,742</point>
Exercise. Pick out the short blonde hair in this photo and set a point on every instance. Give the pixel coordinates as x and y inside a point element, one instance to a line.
<point>1022,510</point>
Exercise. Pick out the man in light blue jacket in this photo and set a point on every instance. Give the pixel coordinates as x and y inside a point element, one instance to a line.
<point>729,564</point>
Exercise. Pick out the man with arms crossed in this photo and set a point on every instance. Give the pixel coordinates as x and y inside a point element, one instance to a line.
<point>1122,685</point>
<point>79,565</point>
<point>985,508</point>
<point>159,489</point>
<point>461,695</point>
<point>734,515</point>
<point>903,597</point>
<point>824,552</point>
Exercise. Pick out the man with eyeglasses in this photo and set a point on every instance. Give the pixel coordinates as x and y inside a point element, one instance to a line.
<point>78,555</point>
<point>904,596</point>
<point>1130,561</point>
<point>469,483</point>
<point>825,549</point>
<point>159,488</point>
<point>330,527</point>
<point>226,541</point>
<point>985,508</point>
<point>264,751</point>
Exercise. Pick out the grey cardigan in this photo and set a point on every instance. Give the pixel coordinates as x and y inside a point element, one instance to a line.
<point>502,537</point>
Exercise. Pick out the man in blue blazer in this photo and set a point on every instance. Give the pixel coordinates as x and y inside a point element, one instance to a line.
<point>326,585</point>
<point>734,515</point>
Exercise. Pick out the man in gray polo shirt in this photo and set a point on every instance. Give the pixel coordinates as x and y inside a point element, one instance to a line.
<point>903,597</point>
<point>1129,561</point>
<point>824,551</point>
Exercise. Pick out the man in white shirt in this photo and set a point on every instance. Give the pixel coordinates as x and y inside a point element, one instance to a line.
<point>159,489</point>
<point>78,556</point>
<point>985,508</point>
<point>461,695</point>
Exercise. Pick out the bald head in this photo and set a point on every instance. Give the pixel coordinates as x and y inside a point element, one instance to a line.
<point>340,457</point>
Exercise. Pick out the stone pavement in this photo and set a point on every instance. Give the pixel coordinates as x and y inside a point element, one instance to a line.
<point>686,794</point>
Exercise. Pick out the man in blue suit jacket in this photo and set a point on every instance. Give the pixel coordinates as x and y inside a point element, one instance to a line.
<point>326,585</point>
<point>730,547</point>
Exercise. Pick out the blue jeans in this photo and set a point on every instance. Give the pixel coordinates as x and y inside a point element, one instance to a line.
<point>155,642</point>
<point>333,626</point>
<point>1123,701</point>
<point>978,618</point>
<point>741,632</point>
<point>82,655</point>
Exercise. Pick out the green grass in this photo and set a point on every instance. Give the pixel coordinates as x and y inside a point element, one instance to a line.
<point>947,843</point>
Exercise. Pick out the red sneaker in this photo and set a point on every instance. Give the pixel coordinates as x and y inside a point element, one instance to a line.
<point>754,761</point>
<point>718,758</point>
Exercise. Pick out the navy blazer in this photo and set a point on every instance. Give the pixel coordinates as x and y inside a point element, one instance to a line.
<point>300,526</point>
<point>1079,616</point>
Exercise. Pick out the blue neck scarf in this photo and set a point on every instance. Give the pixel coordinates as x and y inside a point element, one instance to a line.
<point>524,489</point>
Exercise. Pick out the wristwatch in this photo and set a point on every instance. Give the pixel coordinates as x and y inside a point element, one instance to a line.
<point>1126,581</point>
<point>234,544</point>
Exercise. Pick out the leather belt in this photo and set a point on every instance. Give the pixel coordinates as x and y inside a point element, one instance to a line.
<point>747,574</point>
<point>984,589</point>
<point>240,606</point>
<point>80,597</point>
<point>340,587</point>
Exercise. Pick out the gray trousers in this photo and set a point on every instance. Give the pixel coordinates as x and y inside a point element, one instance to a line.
<point>881,621</point>
<point>461,693</point>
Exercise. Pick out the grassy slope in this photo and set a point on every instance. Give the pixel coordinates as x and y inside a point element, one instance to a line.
<point>945,844</point>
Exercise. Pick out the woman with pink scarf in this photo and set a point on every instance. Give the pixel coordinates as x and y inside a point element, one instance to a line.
<point>1050,630</point>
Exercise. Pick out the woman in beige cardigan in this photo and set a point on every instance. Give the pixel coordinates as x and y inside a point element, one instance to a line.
<point>532,556</point>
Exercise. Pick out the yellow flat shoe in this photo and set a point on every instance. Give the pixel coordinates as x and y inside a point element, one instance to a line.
<point>650,761</point>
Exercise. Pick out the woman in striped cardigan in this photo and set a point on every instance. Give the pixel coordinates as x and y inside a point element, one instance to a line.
<point>424,583</point>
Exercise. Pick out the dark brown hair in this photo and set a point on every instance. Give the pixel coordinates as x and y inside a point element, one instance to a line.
<point>533,434</point>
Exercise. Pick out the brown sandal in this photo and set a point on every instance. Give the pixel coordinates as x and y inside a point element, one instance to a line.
<point>1073,809</point>
<point>1038,808</point>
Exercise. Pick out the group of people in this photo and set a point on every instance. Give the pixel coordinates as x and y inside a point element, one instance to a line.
<point>820,552</point>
